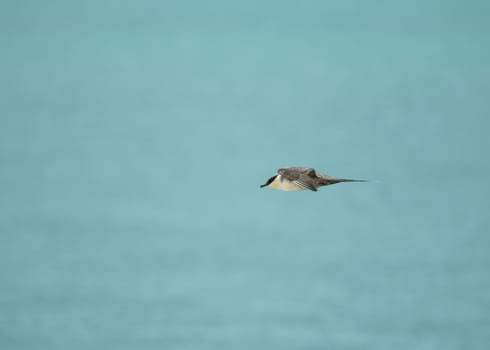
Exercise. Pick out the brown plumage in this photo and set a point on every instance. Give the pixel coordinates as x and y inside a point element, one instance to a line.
<point>300,178</point>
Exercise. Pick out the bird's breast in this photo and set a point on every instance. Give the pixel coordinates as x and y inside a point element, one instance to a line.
<point>282,184</point>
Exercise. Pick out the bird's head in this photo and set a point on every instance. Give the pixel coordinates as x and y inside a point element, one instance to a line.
<point>269,181</point>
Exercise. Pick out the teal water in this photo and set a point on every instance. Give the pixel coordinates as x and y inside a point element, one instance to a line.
<point>118,232</point>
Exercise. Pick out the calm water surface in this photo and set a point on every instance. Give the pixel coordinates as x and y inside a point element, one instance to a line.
<point>134,138</point>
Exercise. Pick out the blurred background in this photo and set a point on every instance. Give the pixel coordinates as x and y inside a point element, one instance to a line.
<point>134,136</point>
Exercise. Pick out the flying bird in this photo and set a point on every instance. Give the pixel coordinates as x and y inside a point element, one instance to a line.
<point>299,179</point>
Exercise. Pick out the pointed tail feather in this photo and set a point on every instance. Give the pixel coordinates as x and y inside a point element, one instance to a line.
<point>331,181</point>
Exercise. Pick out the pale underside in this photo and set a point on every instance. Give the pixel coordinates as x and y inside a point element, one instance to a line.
<point>281,183</point>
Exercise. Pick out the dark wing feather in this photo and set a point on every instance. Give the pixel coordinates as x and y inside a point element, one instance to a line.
<point>302,177</point>
<point>305,182</point>
<point>294,173</point>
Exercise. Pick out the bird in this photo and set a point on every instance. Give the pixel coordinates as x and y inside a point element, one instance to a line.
<point>301,178</point>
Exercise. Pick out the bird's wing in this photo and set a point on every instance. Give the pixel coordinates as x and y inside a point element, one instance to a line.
<point>305,182</point>
<point>293,173</point>
<point>302,177</point>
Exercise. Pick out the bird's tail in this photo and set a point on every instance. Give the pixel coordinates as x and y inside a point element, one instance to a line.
<point>331,181</point>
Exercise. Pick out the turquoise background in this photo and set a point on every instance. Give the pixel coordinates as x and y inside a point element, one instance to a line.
<point>134,137</point>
